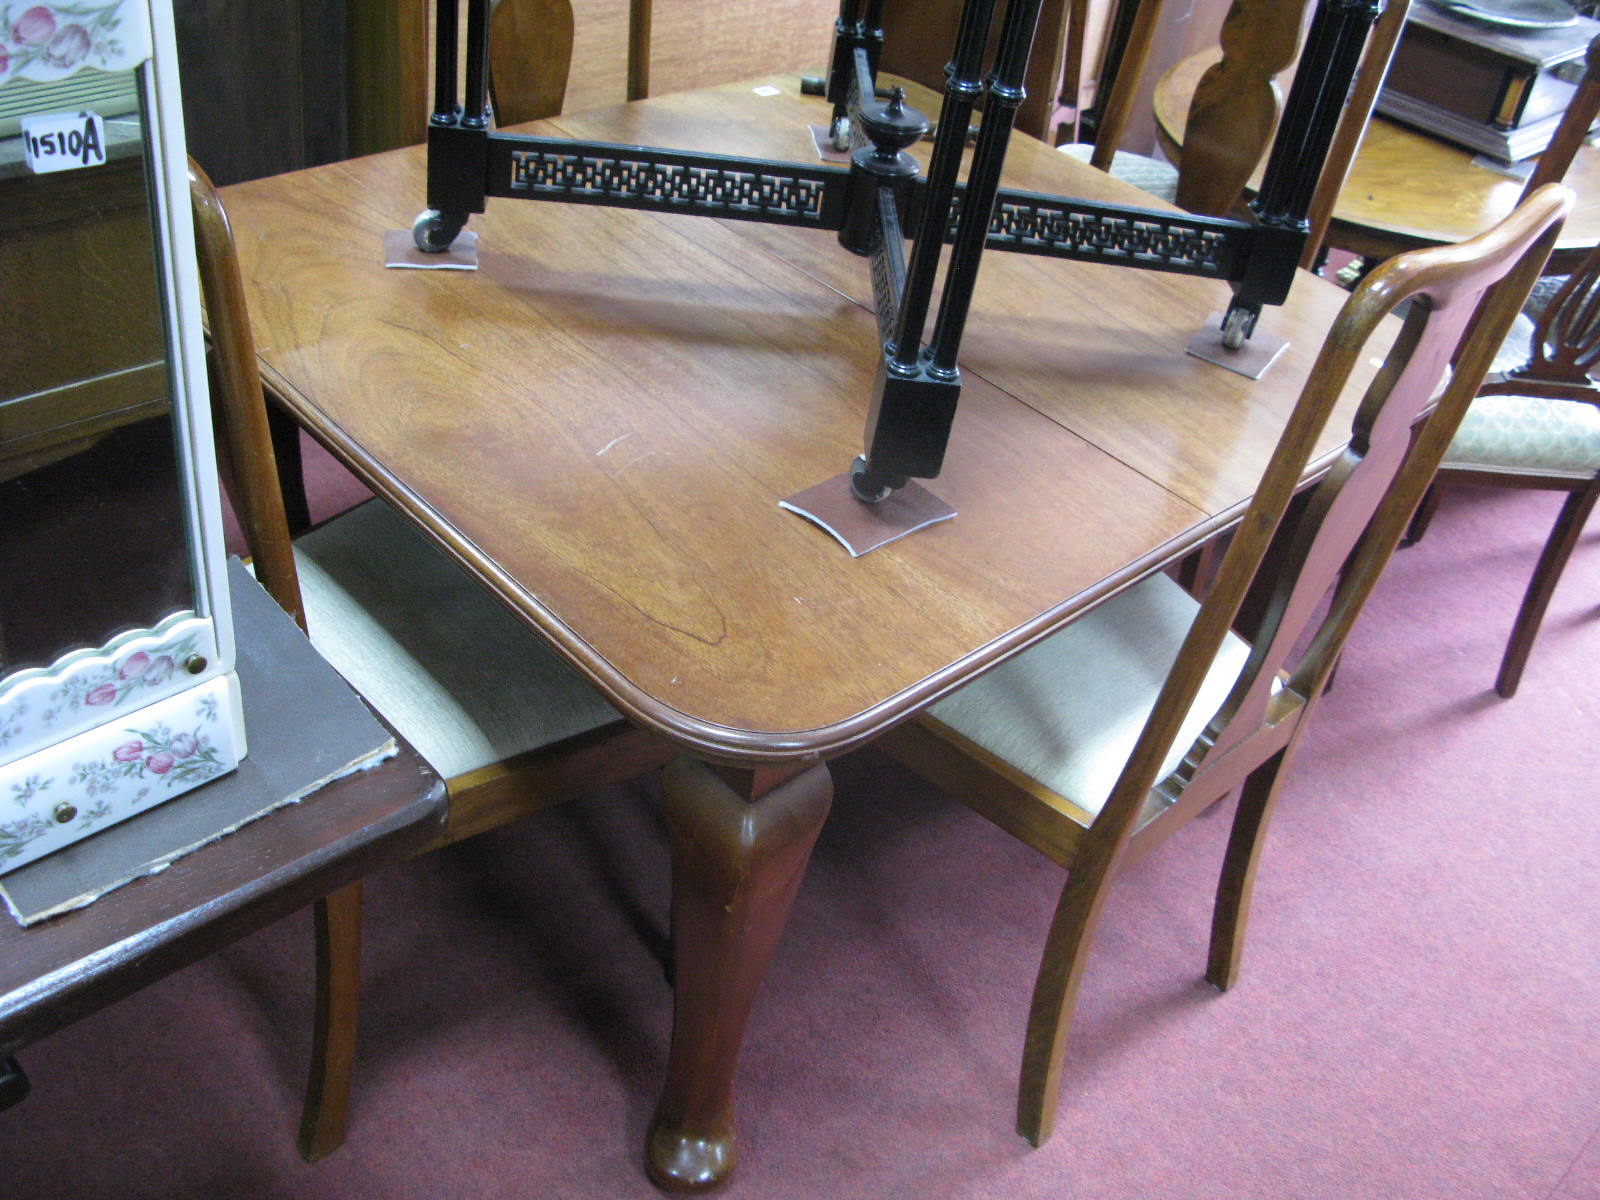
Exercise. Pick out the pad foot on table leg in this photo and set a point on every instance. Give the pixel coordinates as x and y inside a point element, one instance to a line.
<point>740,842</point>
<point>680,1159</point>
<point>14,1086</point>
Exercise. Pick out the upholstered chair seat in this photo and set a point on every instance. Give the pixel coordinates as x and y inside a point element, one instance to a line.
<point>1152,175</point>
<point>1533,434</point>
<point>1068,712</point>
<point>464,680</point>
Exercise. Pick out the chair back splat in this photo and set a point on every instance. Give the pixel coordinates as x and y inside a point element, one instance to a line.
<point>530,58</point>
<point>1098,742</point>
<point>1342,534</point>
<point>1565,347</point>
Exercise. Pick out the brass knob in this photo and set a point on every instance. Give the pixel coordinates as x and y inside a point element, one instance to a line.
<point>64,812</point>
<point>194,664</point>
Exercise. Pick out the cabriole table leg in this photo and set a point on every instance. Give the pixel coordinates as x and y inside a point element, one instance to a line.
<point>740,844</point>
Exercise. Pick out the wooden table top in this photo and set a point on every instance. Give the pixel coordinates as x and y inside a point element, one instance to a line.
<point>600,421</point>
<point>1406,188</point>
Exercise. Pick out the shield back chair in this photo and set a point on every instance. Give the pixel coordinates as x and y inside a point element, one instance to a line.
<point>1095,744</point>
<point>512,730</point>
<point>530,57</point>
<point>1537,426</point>
<point>1235,109</point>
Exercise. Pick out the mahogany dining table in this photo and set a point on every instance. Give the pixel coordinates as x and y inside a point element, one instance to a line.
<point>598,424</point>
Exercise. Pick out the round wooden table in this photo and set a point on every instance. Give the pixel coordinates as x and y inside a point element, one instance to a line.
<point>1405,188</point>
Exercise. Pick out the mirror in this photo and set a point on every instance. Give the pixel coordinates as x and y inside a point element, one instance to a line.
<point>117,685</point>
<point>93,533</point>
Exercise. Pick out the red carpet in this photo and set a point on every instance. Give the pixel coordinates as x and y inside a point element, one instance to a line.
<point>1419,1014</point>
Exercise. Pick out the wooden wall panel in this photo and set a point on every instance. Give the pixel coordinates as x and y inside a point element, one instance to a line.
<point>263,84</point>
<point>388,88</point>
<point>695,44</point>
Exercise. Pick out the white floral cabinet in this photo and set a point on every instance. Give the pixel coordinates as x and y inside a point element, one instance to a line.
<point>117,689</point>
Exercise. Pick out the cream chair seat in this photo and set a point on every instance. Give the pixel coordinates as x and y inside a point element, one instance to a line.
<point>464,680</point>
<point>1068,713</point>
<point>1153,175</point>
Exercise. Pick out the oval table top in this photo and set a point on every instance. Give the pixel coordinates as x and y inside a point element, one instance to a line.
<point>1406,188</point>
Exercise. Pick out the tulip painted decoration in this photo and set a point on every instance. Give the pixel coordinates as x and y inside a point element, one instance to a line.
<point>881,199</point>
<point>49,42</point>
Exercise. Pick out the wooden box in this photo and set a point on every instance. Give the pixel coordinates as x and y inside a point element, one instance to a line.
<point>1500,91</point>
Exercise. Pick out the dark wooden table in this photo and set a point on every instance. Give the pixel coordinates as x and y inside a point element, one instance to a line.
<point>598,425</point>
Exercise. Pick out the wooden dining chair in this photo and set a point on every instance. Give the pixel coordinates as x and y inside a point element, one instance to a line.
<point>1100,741</point>
<point>1537,426</point>
<point>1235,110</point>
<point>495,711</point>
<point>1535,423</point>
<point>530,56</point>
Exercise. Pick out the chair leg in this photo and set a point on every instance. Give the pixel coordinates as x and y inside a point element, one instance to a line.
<point>285,434</point>
<point>1198,568</point>
<point>1420,519</point>
<point>1231,913</point>
<point>1552,561</point>
<point>1055,995</point>
<point>326,1113</point>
